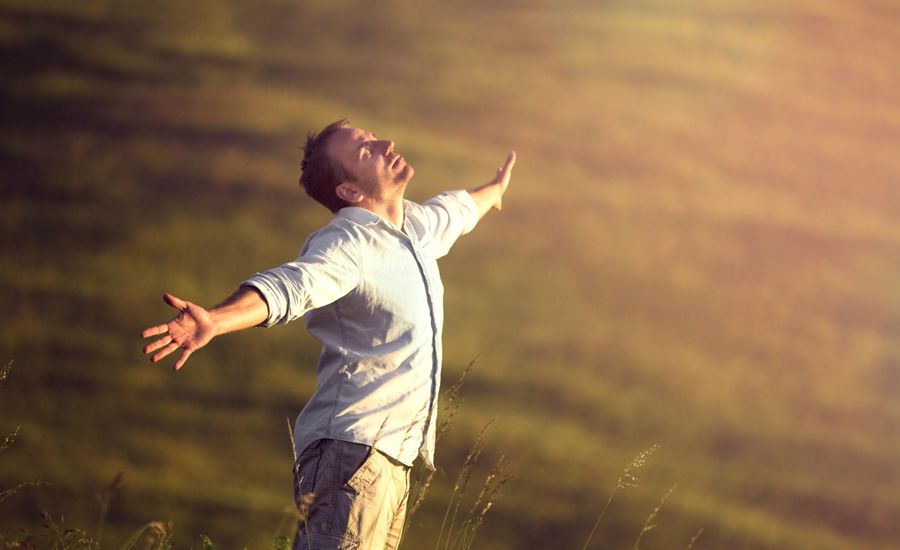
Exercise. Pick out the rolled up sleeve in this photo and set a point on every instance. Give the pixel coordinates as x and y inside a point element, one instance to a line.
<point>327,269</point>
<point>444,219</point>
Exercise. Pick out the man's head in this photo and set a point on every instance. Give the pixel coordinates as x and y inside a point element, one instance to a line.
<point>320,174</point>
<point>345,166</point>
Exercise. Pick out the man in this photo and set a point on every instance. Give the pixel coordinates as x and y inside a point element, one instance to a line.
<point>369,287</point>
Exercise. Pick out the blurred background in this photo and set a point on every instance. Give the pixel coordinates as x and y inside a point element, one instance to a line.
<point>700,249</point>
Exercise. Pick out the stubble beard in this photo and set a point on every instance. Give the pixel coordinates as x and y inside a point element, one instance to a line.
<point>406,173</point>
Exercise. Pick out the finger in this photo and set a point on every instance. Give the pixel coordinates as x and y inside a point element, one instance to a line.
<point>504,171</point>
<point>157,344</point>
<point>154,331</point>
<point>182,359</point>
<point>177,303</point>
<point>510,161</point>
<point>163,352</point>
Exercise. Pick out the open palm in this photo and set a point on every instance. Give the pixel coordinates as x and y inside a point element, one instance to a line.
<point>190,330</point>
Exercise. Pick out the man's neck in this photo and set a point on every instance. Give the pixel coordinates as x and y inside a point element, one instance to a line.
<point>389,209</point>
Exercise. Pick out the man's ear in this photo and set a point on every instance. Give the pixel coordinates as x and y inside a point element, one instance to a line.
<point>349,193</point>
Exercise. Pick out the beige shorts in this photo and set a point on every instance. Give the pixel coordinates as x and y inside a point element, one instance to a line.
<point>355,497</point>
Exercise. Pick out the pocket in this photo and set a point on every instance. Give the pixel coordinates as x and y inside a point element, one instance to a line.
<point>365,475</point>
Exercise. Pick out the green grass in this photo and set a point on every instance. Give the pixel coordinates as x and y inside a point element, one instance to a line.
<point>698,248</point>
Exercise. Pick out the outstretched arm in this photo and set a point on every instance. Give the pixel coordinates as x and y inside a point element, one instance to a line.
<point>194,326</point>
<point>490,195</point>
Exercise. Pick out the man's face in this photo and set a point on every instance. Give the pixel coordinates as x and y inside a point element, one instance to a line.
<point>380,172</point>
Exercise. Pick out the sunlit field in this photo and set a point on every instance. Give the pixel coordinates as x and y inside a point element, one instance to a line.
<point>700,248</point>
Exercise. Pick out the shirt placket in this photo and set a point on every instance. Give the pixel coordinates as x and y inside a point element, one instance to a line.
<point>414,248</point>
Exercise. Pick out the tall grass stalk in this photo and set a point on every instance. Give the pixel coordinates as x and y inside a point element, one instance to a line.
<point>9,439</point>
<point>499,476</point>
<point>451,537</point>
<point>61,538</point>
<point>459,488</point>
<point>650,523</point>
<point>4,371</point>
<point>450,405</point>
<point>293,511</point>
<point>104,498</point>
<point>293,443</point>
<point>694,539</point>
<point>303,507</point>
<point>626,480</point>
<point>6,493</point>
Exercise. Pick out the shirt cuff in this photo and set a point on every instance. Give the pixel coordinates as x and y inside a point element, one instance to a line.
<point>468,208</point>
<point>269,295</point>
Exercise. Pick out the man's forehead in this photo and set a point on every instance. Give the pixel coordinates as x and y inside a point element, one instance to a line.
<point>357,134</point>
<point>349,138</point>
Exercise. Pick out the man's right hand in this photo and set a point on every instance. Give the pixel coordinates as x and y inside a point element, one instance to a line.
<point>190,330</point>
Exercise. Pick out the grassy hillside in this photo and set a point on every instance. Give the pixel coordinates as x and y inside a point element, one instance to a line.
<point>699,248</point>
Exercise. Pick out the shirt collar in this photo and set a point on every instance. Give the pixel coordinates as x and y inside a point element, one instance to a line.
<point>367,217</point>
<point>359,215</point>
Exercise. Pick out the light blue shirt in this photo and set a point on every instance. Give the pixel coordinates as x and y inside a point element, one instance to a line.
<point>372,295</point>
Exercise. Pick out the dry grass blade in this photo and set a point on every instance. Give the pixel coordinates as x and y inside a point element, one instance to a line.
<point>306,500</point>
<point>694,539</point>
<point>422,486</point>
<point>408,433</point>
<point>462,481</point>
<point>450,406</point>
<point>381,429</point>
<point>499,476</point>
<point>453,392</point>
<point>293,443</point>
<point>4,371</point>
<point>628,478</point>
<point>303,509</point>
<point>650,524</point>
<point>66,538</point>
<point>452,401</point>
<point>104,498</point>
<point>9,439</point>
<point>10,492</point>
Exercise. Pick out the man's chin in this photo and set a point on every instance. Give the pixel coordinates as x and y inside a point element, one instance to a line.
<point>405,174</point>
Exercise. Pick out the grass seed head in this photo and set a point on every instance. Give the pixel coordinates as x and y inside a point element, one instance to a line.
<point>629,474</point>
<point>4,371</point>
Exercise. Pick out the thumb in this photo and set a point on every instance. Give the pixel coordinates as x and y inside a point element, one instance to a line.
<point>175,302</point>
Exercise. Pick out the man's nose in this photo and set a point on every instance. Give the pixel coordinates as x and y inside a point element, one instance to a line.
<point>388,146</point>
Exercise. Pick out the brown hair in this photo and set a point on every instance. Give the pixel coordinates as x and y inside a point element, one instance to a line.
<point>320,174</point>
